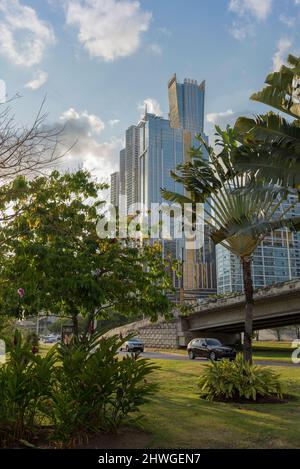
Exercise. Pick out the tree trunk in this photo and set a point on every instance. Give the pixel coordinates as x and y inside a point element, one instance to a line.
<point>248,289</point>
<point>75,324</point>
<point>89,322</point>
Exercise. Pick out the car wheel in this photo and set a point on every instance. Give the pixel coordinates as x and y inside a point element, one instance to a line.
<point>127,348</point>
<point>191,355</point>
<point>212,356</point>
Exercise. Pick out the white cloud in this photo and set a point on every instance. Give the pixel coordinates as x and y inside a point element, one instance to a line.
<point>155,49</point>
<point>215,117</point>
<point>260,9</point>
<point>241,30</point>
<point>108,29</point>
<point>287,20</point>
<point>283,46</point>
<point>24,37</point>
<point>81,135</point>
<point>165,31</point>
<point>39,80</point>
<point>248,11</point>
<point>2,91</point>
<point>83,120</point>
<point>113,122</point>
<point>152,105</point>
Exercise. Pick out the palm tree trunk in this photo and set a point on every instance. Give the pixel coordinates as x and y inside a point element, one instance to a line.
<point>249,307</point>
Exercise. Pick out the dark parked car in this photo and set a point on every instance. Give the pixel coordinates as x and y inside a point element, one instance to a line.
<point>210,348</point>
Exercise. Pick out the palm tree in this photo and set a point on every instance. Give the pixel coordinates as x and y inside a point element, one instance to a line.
<point>270,143</point>
<point>239,219</point>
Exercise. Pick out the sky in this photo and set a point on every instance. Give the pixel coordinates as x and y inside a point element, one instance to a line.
<point>98,62</point>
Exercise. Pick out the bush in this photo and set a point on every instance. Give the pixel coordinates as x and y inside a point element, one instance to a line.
<point>95,391</point>
<point>25,382</point>
<point>238,380</point>
<point>75,390</point>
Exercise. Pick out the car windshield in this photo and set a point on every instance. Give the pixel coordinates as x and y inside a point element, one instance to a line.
<point>213,342</point>
<point>135,339</point>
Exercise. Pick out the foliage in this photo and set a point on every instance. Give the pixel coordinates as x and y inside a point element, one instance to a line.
<point>238,218</point>
<point>270,143</point>
<point>51,250</point>
<point>96,391</point>
<point>25,382</point>
<point>237,380</point>
<point>78,389</point>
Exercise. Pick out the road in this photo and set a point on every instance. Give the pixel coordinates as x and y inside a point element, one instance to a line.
<point>180,357</point>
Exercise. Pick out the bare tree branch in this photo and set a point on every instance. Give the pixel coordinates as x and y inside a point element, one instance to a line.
<point>27,150</point>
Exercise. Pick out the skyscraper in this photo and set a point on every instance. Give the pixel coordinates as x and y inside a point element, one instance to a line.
<point>163,145</point>
<point>276,259</point>
<point>153,149</point>
<point>186,104</point>
<point>132,150</point>
<point>115,188</point>
<point>122,171</point>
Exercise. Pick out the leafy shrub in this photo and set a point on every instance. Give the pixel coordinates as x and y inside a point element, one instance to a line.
<point>95,391</point>
<point>25,382</point>
<point>78,389</point>
<point>237,380</point>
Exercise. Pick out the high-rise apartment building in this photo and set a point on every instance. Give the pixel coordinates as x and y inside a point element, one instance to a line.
<point>115,188</point>
<point>276,259</point>
<point>122,171</point>
<point>132,150</point>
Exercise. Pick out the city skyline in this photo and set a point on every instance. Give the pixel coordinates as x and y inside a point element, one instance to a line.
<point>100,62</point>
<point>153,148</point>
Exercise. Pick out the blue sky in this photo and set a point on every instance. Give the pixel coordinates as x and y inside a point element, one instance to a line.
<point>99,60</point>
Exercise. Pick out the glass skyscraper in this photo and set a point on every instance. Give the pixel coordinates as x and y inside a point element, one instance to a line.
<point>163,145</point>
<point>276,259</point>
<point>186,103</point>
<point>115,188</point>
<point>153,149</point>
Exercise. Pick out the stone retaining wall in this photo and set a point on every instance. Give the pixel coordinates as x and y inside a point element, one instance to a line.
<point>160,334</point>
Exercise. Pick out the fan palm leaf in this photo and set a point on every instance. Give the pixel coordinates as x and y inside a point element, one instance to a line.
<point>239,218</point>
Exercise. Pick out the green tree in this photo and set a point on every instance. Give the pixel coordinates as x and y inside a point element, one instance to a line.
<point>239,219</point>
<point>51,250</point>
<point>270,143</point>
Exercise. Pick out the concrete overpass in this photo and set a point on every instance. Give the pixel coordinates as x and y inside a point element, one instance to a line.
<point>274,306</point>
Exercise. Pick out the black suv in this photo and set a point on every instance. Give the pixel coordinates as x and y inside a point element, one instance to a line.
<point>210,348</point>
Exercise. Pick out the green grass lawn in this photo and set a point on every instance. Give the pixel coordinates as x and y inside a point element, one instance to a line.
<point>177,418</point>
<point>273,351</point>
